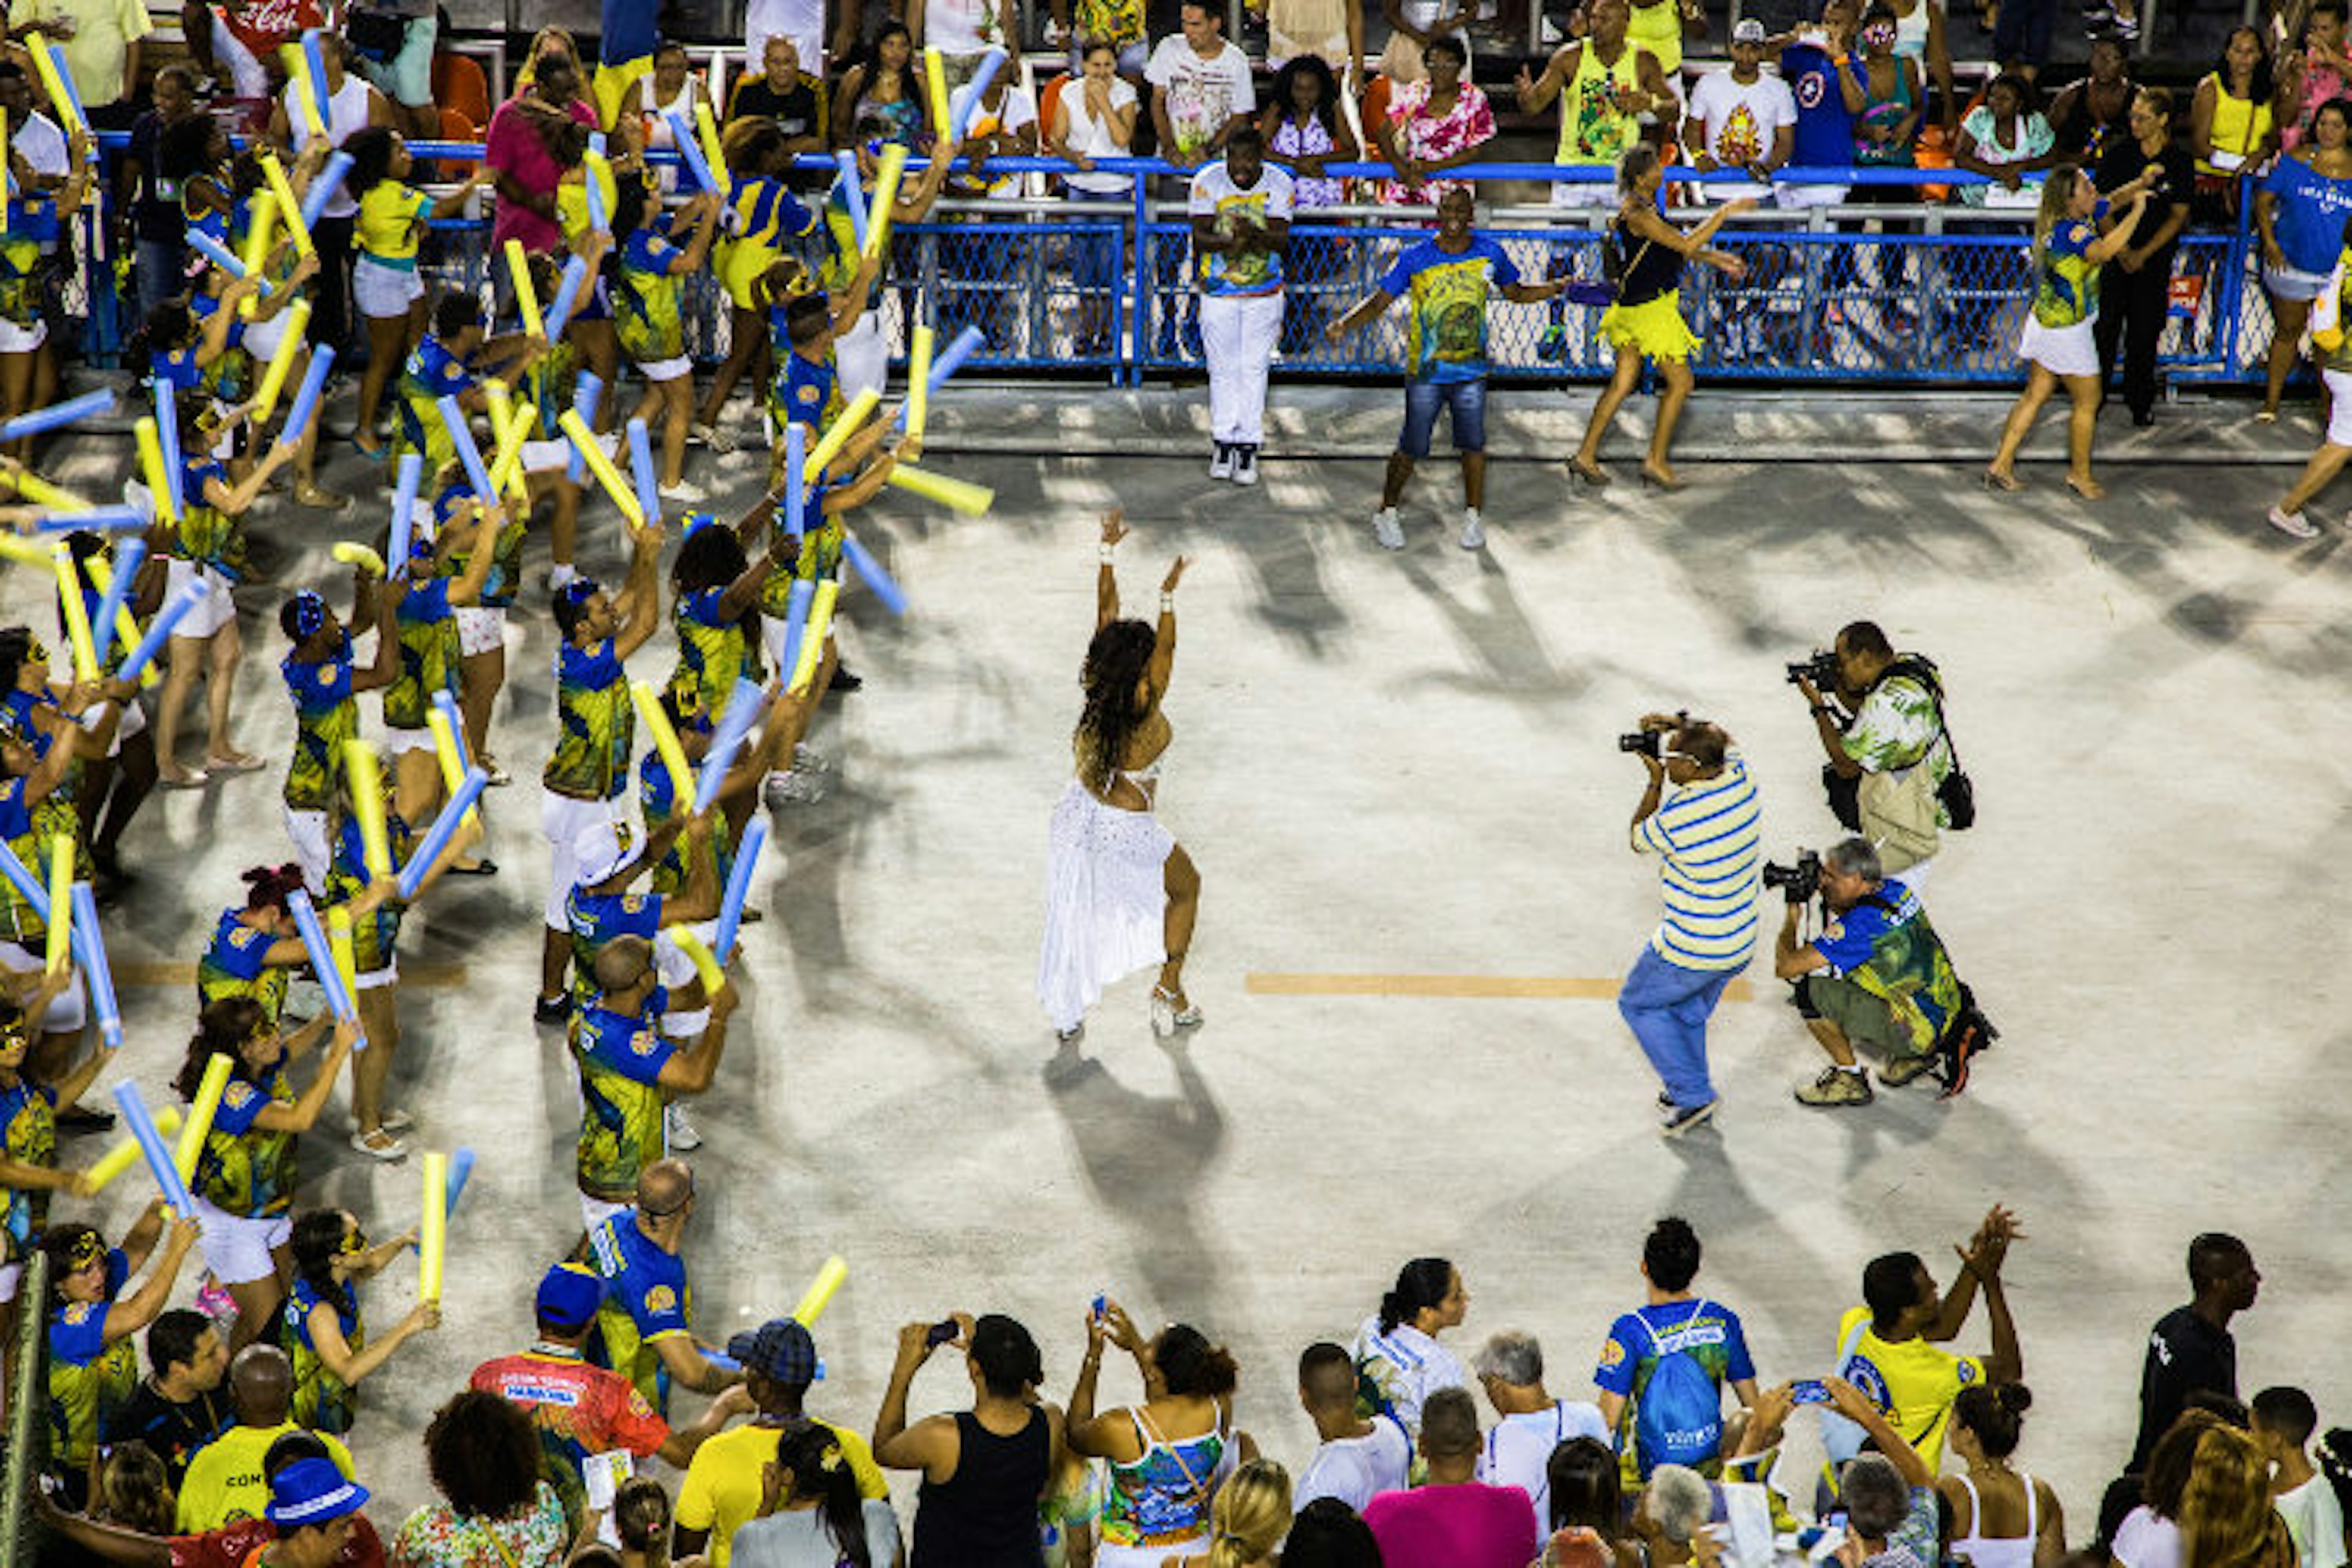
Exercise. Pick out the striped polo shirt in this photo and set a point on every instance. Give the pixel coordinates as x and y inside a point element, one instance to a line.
<point>1709,874</point>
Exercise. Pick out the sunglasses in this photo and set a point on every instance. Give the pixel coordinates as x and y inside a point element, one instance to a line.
<point>354,1242</point>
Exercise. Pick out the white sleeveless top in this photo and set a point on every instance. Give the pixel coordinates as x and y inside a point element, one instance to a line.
<point>1998,1550</point>
<point>347,116</point>
<point>1911,34</point>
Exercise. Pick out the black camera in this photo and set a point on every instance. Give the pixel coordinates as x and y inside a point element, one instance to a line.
<point>1799,881</point>
<point>1649,743</point>
<point>1822,669</point>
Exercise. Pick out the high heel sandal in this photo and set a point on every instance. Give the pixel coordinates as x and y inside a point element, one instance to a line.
<point>2000,482</point>
<point>1595,475</point>
<point>1167,1018</point>
<point>2086,489</point>
<point>1653,479</point>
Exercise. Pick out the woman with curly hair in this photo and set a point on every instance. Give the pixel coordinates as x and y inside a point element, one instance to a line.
<point>1169,1454</point>
<point>1120,891</point>
<point>321,1330</point>
<point>483,1456</point>
<point>2226,1518</point>
<point>811,1512</point>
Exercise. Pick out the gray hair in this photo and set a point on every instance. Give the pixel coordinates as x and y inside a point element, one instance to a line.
<point>1854,858</point>
<point>1877,1497</point>
<point>1679,1501</point>
<point>1510,1357</point>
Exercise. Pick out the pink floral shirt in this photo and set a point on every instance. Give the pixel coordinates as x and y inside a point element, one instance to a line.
<point>1468,124</point>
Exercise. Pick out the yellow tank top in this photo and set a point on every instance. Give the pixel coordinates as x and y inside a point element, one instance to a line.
<point>1659,29</point>
<point>1592,128</point>
<point>2240,127</point>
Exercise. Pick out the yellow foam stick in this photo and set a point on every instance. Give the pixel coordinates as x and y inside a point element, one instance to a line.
<point>85,651</point>
<point>444,748</point>
<point>290,210</point>
<point>886,196</point>
<point>366,778</point>
<point>820,1291</point>
<point>813,642</point>
<point>706,965</point>
<point>47,65</point>
<point>61,869</point>
<point>151,465</point>
<point>601,467</point>
<point>126,624</point>
<point>714,153</point>
<point>201,1113</point>
<point>345,953</point>
<point>829,445</point>
<point>597,167</point>
<point>919,382</point>
<point>935,72</point>
<point>127,1153</point>
<point>673,755</point>
<point>433,1228</point>
<point>507,429</point>
<point>526,297</point>
<point>956,495</point>
<point>298,77</point>
<point>24,552</point>
<point>40,492</point>
<point>359,555</point>
<point>281,363</point>
<point>256,244</point>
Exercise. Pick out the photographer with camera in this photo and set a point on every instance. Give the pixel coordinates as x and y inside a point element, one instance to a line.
<point>1876,975</point>
<point>1704,835</point>
<point>1892,776</point>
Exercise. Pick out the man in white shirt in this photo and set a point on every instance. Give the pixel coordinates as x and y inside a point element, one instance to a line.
<point>1200,93</point>
<point>962,31</point>
<point>1357,1460</point>
<point>1241,225</point>
<point>2283,1420</point>
<point>32,135</point>
<point>1516,1450</point>
<point>1741,119</point>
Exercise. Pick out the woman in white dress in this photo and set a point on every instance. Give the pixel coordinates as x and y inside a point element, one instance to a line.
<point>1120,892</point>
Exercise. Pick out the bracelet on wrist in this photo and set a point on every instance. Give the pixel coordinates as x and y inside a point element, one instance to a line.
<point>1167,603</point>
<point>1105,554</point>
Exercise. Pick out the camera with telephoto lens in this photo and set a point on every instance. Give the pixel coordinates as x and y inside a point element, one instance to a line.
<point>1651,742</point>
<point>1822,669</point>
<point>1799,881</point>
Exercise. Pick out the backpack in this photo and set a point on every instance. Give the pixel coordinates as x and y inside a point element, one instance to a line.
<point>1679,1420</point>
<point>1966,1034</point>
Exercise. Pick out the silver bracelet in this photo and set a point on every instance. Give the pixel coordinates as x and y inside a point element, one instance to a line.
<point>1167,603</point>
<point>1104,554</point>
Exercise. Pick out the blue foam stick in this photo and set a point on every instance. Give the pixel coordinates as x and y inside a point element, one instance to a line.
<point>167,433</point>
<point>95,968</point>
<point>966,343</point>
<point>127,557</point>
<point>585,393</point>
<point>989,64</point>
<point>738,885</point>
<point>443,828</point>
<point>159,630</point>
<point>73,93</point>
<point>152,1144</point>
<point>722,1361</point>
<point>97,519</point>
<point>796,615</point>
<point>403,512</point>
<point>323,186</point>
<point>641,467</point>
<point>869,571</point>
<point>461,434</point>
<point>796,478</point>
<point>853,195</point>
<point>743,708</point>
<point>593,189</point>
<point>567,297</point>
<point>323,956</point>
<point>315,56</point>
<point>682,132</point>
<point>306,396</point>
<point>29,886</point>
<point>214,251</point>
<point>56,416</point>
<point>461,1166</point>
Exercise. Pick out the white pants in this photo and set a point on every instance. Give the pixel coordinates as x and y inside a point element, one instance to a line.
<point>308,829</point>
<point>862,356</point>
<point>1238,335</point>
<point>677,971</point>
<point>236,1250</point>
<point>563,820</point>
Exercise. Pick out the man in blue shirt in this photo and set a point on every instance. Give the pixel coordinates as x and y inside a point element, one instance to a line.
<point>644,1330</point>
<point>1824,125</point>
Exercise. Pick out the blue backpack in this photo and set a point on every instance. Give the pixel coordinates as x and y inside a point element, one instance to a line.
<point>1679,1420</point>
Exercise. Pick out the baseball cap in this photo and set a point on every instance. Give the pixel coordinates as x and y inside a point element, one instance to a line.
<point>1749,31</point>
<point>601,850</point>
<point>780,1350</point>
<point>312,1491</point>
<point>568,1298</point>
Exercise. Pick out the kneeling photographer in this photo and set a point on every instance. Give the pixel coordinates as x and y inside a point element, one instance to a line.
<point>1876,975</point>
<point>1893,777</point>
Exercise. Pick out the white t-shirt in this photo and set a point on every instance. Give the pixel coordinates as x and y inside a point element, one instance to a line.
<point>1518,1447</point>
<point>803,21</point>
<point>1741,121</point>
<point>1202,95</point>
<point>43,145</point>
<point>797,1539</point>
<point>1013,112</point>
<point>960,26</point>
<point>1215,196</point>
<point>1407,1366</point>
<point>2145,1540</point>
<point>2316,1520</point>
<point>347,116</point>
<point>1357,1470</point>
<point>1092,137</point>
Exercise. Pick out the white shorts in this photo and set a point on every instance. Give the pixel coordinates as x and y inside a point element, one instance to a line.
<point>17,340</point>
<point>377,979</point>
<point>399,743</point>
<point>238,1250</point>
<point>66,1014</point>
<point>596,1211</point>
<point>563,820</point>
<point>383,292</point>
<point>546,457</point>
<point>676,971</point>
<point>2339,406</point>
<point>1798,198</point>
<point>215,611</point>
<point>308,829</point>
<point>2062,350</point>
<point>861,357</point>
<point>666,369</point>
<point>481,628</point>
<point>134,722</point>
<point>260,339</point>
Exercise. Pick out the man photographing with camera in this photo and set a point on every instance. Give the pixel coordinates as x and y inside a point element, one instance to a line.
<point>1892,774</point>
<point>1876,975</point>
<point>1704,833</point>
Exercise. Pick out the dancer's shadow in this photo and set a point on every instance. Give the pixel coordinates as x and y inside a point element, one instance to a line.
<point>1147,1158</point>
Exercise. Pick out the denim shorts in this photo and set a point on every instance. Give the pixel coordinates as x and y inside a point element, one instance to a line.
<point>1423,399</point>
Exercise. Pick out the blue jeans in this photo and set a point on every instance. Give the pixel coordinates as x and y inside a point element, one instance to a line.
<point>1667,1006</point>
<point>158,271</point>
<point>1465,399</point>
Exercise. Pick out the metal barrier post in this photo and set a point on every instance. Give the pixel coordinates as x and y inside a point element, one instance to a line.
<point>1141,285</point>
<point>2233,288</point>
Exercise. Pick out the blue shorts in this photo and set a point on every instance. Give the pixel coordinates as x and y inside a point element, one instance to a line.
<point>1423,399</point>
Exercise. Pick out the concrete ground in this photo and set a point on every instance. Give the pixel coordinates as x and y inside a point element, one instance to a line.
<point>1394,767</point>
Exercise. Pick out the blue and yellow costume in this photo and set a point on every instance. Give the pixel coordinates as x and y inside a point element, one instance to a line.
<point>620,1056</point>
<point>323,1402</point>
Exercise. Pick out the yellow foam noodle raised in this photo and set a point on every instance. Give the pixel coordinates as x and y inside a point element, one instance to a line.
<point>956,495</point>
<point>665,737</point>
<point>886,198</point>
<point>149,439</point>
<point>366,780</point>
<point>830,444</point>
<point>85,650</point>
<point>281,363</point>
<point>201,1113</point>
<point>61,870</point>
<point>812,641</point>
<point>820,1291</point>
<point>608,477</point>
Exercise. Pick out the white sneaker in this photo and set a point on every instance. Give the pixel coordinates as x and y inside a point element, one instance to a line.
<point>1246,464</point>
<point>677,1131</point>
<point>685,492</point>
<point>2295,524</point>
<point>719,439</point>
<point>1386,529</point>
<point>1221,466</point>
<point>1474,530</point>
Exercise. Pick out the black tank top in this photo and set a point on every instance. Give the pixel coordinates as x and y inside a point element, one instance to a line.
<point>1647,269</point>
<point>985,1515</point>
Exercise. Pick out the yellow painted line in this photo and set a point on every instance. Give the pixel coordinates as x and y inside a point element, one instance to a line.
<point>172,972</point>
<point>1582,988</point>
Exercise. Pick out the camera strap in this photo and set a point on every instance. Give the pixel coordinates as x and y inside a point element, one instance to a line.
<point>1921,669</point>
